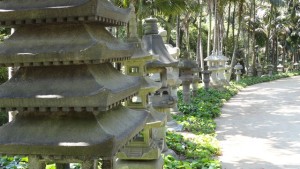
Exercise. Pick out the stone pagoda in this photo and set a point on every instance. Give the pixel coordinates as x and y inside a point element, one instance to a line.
<point>144,151</point>
<point>162,100</point>
<point>66,90</point>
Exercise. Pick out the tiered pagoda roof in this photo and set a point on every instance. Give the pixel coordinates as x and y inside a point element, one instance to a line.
<point>64,44</point>
<point>20,12</point>
<point>71,134</point>
<point>66,88</point>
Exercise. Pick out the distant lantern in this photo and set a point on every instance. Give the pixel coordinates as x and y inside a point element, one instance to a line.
<point>280,68</point>
<point>213,66</point>
<point>238,71</point>
<point>186,67</point>
<point>296,66</point>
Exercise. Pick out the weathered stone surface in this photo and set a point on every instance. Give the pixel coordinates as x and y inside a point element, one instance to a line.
<point>66,88</point>
<point>16,12</point>
<point>64,44</point>
<point>163,99</point>
<point>71,133</point>
<point>149,144</point>
<point>154,44</point>
<point>149,164</point>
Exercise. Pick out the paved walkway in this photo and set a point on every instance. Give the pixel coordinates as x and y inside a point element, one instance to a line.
<point>260,127</point>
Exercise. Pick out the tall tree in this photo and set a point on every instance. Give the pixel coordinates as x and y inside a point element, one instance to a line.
<point>233,59</point>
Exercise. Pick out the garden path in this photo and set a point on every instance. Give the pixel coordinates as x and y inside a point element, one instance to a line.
<point>260,127</point>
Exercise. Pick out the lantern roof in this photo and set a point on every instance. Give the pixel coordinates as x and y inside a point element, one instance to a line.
<point>60,88</point>
<point>15,12</point>
<point>62,44</point>
<point>71,133</point>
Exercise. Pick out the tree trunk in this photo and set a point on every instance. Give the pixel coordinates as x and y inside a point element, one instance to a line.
<point>199,40</point>
<point>168,28</point>
<point>210,3</point>
<point>178,32</point>
<point>253,38</point>
<point>186,22</point>
<point>233,60</point>
<point>268,37</point>
<point>233,23</point>
<point>228,27</point>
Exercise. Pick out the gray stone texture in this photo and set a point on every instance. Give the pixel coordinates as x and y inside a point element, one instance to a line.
<point>71,133</point>
<point>16,12</point>
<point>154,44</point>
<point>62,44</point>
<point>78,87</point>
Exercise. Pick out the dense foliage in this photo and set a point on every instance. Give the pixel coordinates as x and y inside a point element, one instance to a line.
<point>195,153</point>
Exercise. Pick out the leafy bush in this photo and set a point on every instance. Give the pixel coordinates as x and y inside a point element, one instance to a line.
<point>247,81</point>
<point>16,162</point>
<point>3,118</point>
<point>3,75</point>
<point>198,152</point>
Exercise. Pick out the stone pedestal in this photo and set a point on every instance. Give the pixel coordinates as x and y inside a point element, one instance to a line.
<point>206,74</point>
<point>149,164</point>
<point>186,67</point>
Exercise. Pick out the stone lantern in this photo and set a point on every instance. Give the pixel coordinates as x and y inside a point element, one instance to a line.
<point>222,68</point>
<point>238,71</point>
<point>296,66</point>
<point>270,68</point>
<point>186,67</point>
<point>213,66</point>
<point>172,72</point>
<point>206,77</point>
<point>250,71</point>
<point>162,100</point>
<point>280,68</point>
<point>259,70</point>
<point>144,151</point>
<point>68,94</point>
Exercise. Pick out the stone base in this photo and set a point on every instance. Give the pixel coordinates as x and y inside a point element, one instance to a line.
<point>128,164</point>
